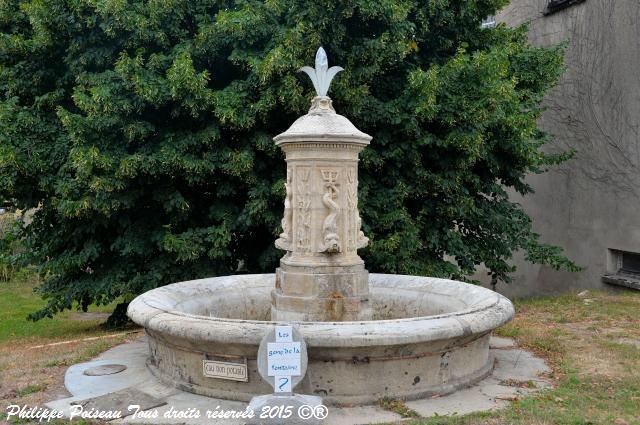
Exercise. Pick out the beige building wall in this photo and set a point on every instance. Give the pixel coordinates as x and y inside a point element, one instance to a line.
<point>591,203</point>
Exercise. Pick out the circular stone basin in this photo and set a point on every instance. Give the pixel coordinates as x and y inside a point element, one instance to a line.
<point>429,336</point>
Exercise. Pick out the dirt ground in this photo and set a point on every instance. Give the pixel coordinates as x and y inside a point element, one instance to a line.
<point>591,340</point>
<point>33,374</point>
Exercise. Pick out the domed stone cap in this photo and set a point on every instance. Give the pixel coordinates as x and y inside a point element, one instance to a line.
<point>322,124</point>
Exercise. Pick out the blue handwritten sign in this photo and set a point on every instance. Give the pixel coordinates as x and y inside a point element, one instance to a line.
<point>283,359</point>
<point>284,333</point>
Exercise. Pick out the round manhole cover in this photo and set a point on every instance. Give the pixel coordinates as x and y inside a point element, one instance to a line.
<point>105,369</point>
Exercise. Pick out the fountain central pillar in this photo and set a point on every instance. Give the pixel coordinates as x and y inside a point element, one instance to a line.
<point>321,277</point>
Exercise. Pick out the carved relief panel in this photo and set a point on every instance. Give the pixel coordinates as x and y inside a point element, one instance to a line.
<point>303,209</point>
<point>321,208</point>
<point>285,239</point>
<point>331,200</point>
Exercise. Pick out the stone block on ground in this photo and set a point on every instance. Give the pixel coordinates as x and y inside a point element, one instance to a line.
<point>276,404</point>
<point>121,400</point>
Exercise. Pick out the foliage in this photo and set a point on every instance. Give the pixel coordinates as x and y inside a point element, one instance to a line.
<point>17,299</point>
<point>142,133</point>
<point>10,245</point>
<point>397,406</point>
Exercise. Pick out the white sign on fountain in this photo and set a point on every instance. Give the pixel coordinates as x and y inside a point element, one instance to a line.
<point>282,362</point>
<point>283,359</point>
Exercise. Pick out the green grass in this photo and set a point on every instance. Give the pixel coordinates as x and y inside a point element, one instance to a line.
<point>18,299</point>
<point>31,389</point>
<point>579,400</point>
<point>397,406</point>
<point>576,401</point>
<point>597,376</point>
<point>86,354</point>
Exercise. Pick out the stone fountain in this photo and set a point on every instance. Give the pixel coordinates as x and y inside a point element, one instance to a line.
<point>368,335</point>
<point>321,277</point>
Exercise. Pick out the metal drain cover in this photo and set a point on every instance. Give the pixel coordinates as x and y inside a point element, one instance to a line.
<point>105,369</point>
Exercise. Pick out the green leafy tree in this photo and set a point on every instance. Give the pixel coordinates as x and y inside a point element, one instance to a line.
<point>141,131</point>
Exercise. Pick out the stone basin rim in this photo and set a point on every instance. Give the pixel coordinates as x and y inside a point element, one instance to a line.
<point>489,312</point>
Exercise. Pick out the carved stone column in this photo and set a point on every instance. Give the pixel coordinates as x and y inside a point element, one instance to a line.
<point>321,277</point>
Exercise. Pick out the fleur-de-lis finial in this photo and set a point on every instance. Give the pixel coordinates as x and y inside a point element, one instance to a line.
<point>322,75</point>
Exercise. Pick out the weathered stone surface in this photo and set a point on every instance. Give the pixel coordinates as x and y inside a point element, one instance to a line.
<point>121,400</point>
<point>500,342</point>
<point>434,329</point>
<point>263,358</point>
<point>489,393</point>
<point>336,307</point>
<point>93,386</point>
<point>323,281</point>
<point>511,368</point>
<point>622,280</point>
<point>321,223</point>
<point>294,402</point>
<point>108,369</point>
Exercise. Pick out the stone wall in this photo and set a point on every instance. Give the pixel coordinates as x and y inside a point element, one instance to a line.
<point>592,203</point>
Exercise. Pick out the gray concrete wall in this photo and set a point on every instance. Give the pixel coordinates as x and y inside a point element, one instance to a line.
<point>591,203</point>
